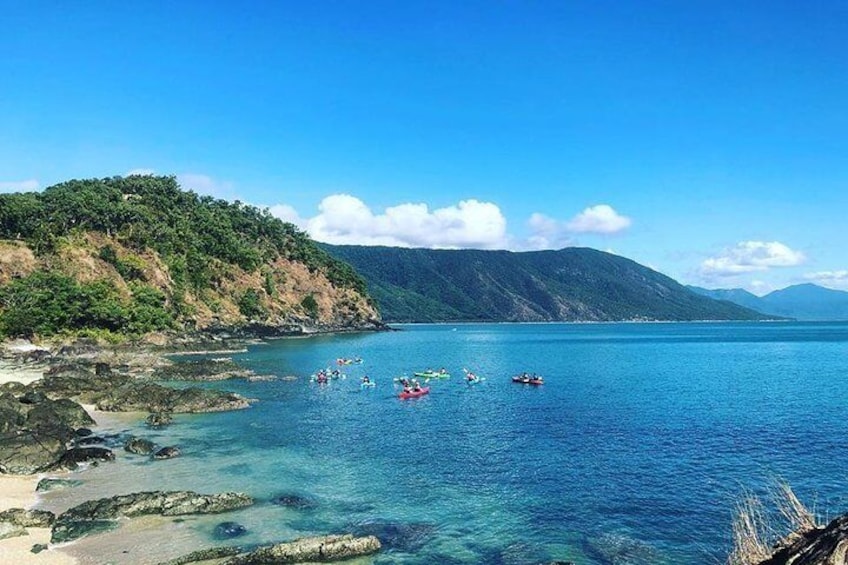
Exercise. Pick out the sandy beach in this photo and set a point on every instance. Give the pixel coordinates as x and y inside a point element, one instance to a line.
<point>19,492</point>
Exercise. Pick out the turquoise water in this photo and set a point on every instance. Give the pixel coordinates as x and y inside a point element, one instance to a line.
<point>634,451</point>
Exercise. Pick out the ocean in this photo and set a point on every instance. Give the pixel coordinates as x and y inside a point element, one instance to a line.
<point>636,449</point>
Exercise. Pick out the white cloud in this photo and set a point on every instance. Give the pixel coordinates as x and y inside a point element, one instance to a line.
<point>749,257</point>
<point>345,219</point>
<point>141,172</point>
<point>30,185</point>
<point>601,218</point>
<point>830,279</point>
<point>547,233</point>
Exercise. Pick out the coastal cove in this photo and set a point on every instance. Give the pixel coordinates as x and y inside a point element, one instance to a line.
<point>639,444</point>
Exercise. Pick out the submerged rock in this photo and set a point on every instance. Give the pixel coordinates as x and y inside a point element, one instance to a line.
<point>621,549</point>
<point>397,535</point>
<point>139,446</point>
<point>228,530</point>
<point>86,518</point>
<point>317,549</point>
<point>296,501</point>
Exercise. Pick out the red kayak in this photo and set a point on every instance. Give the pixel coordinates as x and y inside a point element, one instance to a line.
<point>414,393</point>
<point>528,381</point>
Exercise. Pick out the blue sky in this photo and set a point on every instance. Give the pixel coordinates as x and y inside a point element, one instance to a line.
<point>708,140</point>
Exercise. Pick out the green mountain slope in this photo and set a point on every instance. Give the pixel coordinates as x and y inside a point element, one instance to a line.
<point>425,285</point>
<point>807,301</point>
<point>138,254</point>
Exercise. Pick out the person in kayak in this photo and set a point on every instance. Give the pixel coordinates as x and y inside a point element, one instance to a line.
<point>365,379</point>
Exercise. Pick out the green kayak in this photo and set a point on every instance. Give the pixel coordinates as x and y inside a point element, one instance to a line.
<point>432,374</point>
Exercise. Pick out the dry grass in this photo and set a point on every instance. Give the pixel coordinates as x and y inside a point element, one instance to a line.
<point>756,532</point>
<point>798,517</point>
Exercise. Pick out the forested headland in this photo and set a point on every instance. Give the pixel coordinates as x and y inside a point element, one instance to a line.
<point>124,256</point>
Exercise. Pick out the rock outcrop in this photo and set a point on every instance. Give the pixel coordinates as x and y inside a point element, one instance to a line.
<point>827,545</point>
<point>116,392</point>
<point>315,549</point>
<point>100,515</point>
<point>35,430</point>
<point>28,518</point>
<point>139,446</point>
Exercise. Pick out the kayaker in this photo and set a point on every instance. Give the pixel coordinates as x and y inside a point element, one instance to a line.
<point>365,379</point>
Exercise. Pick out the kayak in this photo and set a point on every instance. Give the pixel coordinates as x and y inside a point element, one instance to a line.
<point>431,375</point>
<point>528,380</point>
<point>369,383</point>
<point>414,394</point>
<point>475,380</point>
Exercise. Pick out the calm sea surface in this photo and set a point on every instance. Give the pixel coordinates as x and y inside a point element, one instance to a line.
<point>633,451</point>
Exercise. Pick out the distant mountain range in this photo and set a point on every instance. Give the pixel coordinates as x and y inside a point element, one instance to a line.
<point>803,301</point>
<point>572,284</point>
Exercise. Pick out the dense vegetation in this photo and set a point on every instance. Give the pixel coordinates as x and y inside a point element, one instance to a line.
<point>48,303</point>
<point>193,235</point>
<point>426,285</point>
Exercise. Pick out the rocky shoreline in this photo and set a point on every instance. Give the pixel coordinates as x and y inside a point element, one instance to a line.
<point>45,428</point>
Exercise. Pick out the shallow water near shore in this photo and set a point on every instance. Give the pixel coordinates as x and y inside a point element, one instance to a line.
<point>634,450</point>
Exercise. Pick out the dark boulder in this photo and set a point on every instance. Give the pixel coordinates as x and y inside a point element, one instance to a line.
<point>29,452</point>
<point>316,550</point>
<point>73,457</point>
<point>93,515</point>
<point>139,446</point>
<point>72,413</point>
<point>89,441</point>
<point>32,397</point>
<point>167,452</point>
<point>83,432</point>
<point>228,530</point>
